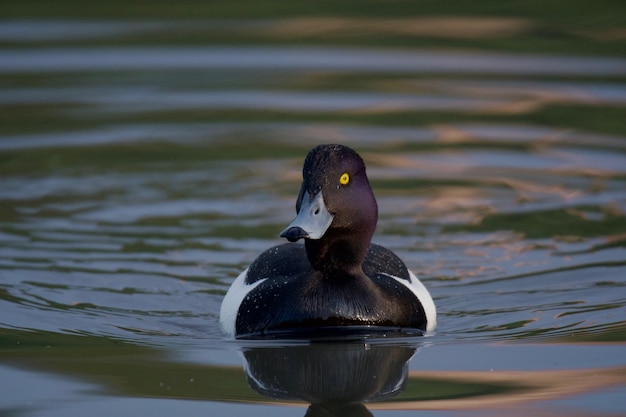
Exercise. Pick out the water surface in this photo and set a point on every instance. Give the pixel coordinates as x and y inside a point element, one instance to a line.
<point>138,180</point>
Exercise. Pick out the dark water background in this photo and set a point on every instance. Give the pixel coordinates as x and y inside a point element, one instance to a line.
<point>150,151</point>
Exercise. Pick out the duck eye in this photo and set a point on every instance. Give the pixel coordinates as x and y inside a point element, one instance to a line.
<point>344,179</point>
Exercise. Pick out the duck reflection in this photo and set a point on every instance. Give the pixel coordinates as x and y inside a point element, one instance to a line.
<point>335,378</point>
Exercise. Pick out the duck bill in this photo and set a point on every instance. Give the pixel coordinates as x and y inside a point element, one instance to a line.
<point>312,220</point>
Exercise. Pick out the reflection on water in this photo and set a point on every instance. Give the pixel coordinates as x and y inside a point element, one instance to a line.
<point>331,377</point>
<point>144,164</point>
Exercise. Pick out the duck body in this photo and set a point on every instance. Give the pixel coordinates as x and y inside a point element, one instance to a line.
<point>338,280</point>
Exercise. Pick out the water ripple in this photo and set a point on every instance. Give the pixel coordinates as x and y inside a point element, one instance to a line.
<point>51,60</point>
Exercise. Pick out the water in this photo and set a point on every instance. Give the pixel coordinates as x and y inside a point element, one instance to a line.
<point>139,179</point>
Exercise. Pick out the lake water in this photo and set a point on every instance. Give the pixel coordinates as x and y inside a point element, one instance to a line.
<point>138,179</point>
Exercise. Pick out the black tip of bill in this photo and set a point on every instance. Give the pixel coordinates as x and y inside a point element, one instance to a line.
<point>293,234</point>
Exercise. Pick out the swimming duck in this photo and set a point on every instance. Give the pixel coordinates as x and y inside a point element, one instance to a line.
<point>337,280</point>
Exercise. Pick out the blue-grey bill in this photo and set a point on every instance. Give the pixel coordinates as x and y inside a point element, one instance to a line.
<point>313,219</point>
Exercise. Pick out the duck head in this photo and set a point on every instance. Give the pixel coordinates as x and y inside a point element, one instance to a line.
<point>336,209</point>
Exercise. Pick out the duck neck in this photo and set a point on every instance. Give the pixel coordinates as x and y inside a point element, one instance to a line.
<point>334,253</point>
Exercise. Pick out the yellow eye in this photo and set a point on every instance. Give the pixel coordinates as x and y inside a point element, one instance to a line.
<point>345,178</point>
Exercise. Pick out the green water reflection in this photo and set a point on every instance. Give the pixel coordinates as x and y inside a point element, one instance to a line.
<point>312,373</point>
<point>332,378</point>
<point>560,27</point>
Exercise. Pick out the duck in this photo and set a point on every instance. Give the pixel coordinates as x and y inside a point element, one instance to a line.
<point>338,281</point>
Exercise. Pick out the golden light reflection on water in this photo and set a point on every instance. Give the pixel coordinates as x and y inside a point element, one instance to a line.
<point>524,387</point>
<point>438,27</point>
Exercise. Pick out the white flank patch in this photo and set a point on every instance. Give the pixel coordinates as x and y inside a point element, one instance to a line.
<point>423,295</point>
<point>233,299</point>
